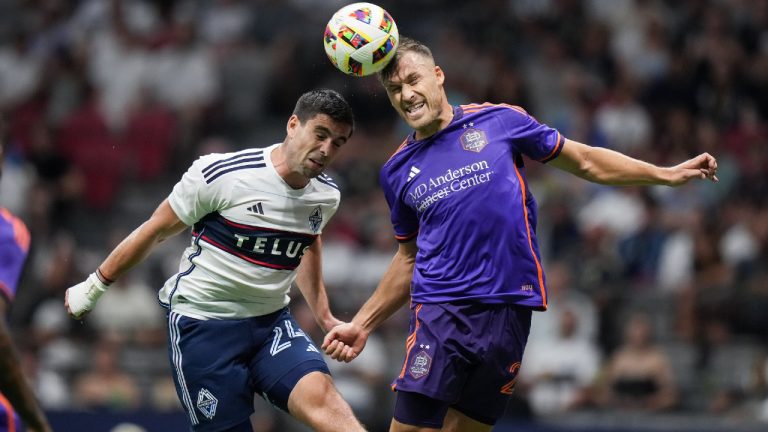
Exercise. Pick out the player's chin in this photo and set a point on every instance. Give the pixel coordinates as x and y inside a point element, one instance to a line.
<point>312,172</point>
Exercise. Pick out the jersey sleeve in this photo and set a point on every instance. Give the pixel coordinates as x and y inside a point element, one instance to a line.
<point>192,197</point>
<point>404,219</point>
<point>531,138</point>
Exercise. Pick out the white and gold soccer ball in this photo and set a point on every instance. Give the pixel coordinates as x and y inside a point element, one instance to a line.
<point>360,39</point>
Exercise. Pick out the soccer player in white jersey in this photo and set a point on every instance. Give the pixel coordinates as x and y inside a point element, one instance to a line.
<point>256,218</point>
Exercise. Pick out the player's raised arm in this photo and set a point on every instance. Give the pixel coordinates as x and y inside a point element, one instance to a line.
<point>163,223</point>
<point>605,166</point>
<point>309,279</point>
<point>345,342</point>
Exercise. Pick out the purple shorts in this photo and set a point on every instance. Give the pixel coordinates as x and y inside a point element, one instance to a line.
<point>465,354</point>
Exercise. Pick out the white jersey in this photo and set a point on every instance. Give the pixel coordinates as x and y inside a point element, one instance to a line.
<point>250,230</point>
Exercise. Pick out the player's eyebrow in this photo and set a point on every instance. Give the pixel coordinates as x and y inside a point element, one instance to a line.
<point>325,130</point>
<point>408,78</point>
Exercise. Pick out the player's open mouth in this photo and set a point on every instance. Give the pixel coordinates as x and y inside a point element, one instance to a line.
<point>414,110</point>
<point>319,164</point>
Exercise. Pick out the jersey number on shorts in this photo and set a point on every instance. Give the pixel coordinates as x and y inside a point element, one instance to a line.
<point>510,386</point>
<point>280,343</point>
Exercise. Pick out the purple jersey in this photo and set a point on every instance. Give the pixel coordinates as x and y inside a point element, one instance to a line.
<point>462,194</point>
<point>14,244</point>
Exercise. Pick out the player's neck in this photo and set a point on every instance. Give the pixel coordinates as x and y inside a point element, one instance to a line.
<point>441,122</point>
<point>292,178</point>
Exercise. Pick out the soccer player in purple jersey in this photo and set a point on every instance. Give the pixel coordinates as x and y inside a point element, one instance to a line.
<point>16,397</point>
<point>468,259</point>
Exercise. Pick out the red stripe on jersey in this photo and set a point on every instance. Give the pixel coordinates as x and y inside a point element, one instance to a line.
<point>239,255</point>
<point>252,227</point>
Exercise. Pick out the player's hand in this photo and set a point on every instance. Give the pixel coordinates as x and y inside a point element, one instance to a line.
<point>81,298</point>
<point>345,342</point>
<point>703,166</point>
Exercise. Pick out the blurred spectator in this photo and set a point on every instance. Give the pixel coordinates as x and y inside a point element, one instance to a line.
<point>86,140</point>
<point>149,137</point>
<point>106,386</point>
<point>558,372</point>
<point>130,313</point>
<point>20,71</point>
<point>624,122</point>
<point>638,376</point>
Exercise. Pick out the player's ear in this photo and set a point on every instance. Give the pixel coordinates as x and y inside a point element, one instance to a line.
<point>439,75</point>
<point>292,125</point>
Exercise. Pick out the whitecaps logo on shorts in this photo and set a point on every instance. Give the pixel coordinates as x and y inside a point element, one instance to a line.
<point>420,365</point>
<point>207,403</point>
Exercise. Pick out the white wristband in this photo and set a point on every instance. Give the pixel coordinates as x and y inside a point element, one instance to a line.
<point>83,296</point>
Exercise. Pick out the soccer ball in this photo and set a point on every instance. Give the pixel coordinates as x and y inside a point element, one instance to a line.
<point>360,39</point>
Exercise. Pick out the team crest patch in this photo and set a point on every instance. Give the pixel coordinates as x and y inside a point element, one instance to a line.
<point>420,365</point>
<point>207,403</point>
<point>315,219</point>
<point>473,139</point>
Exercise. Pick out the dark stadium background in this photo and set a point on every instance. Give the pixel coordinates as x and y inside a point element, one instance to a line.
<point>109,101</point>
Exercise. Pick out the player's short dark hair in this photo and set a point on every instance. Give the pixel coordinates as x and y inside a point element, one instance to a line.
<point>324,101</point>
<point>406,45</point>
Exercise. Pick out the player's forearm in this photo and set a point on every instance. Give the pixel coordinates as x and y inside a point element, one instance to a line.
<point>130,252</point>
<point>609,167</point>
<point>393,292</point>
<point>317,299</point>
<point>605,166</point>
<point>309,279</point>
<point>137,246</point>
<point>13,384</point>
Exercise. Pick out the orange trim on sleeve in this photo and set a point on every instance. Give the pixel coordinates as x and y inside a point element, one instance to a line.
<point>559,144</point>
<point>405,238</point>
<point>515,107</point>
<point>9,413</point>
<point>539,271</point>
<point>473,108</point>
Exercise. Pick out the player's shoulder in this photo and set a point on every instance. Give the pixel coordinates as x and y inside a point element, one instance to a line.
<point>396,158</point>
<point>214,166</point>
<point>496,108</point>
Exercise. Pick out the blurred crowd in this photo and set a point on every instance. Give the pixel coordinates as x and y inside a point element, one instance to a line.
<point>658,296</point>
